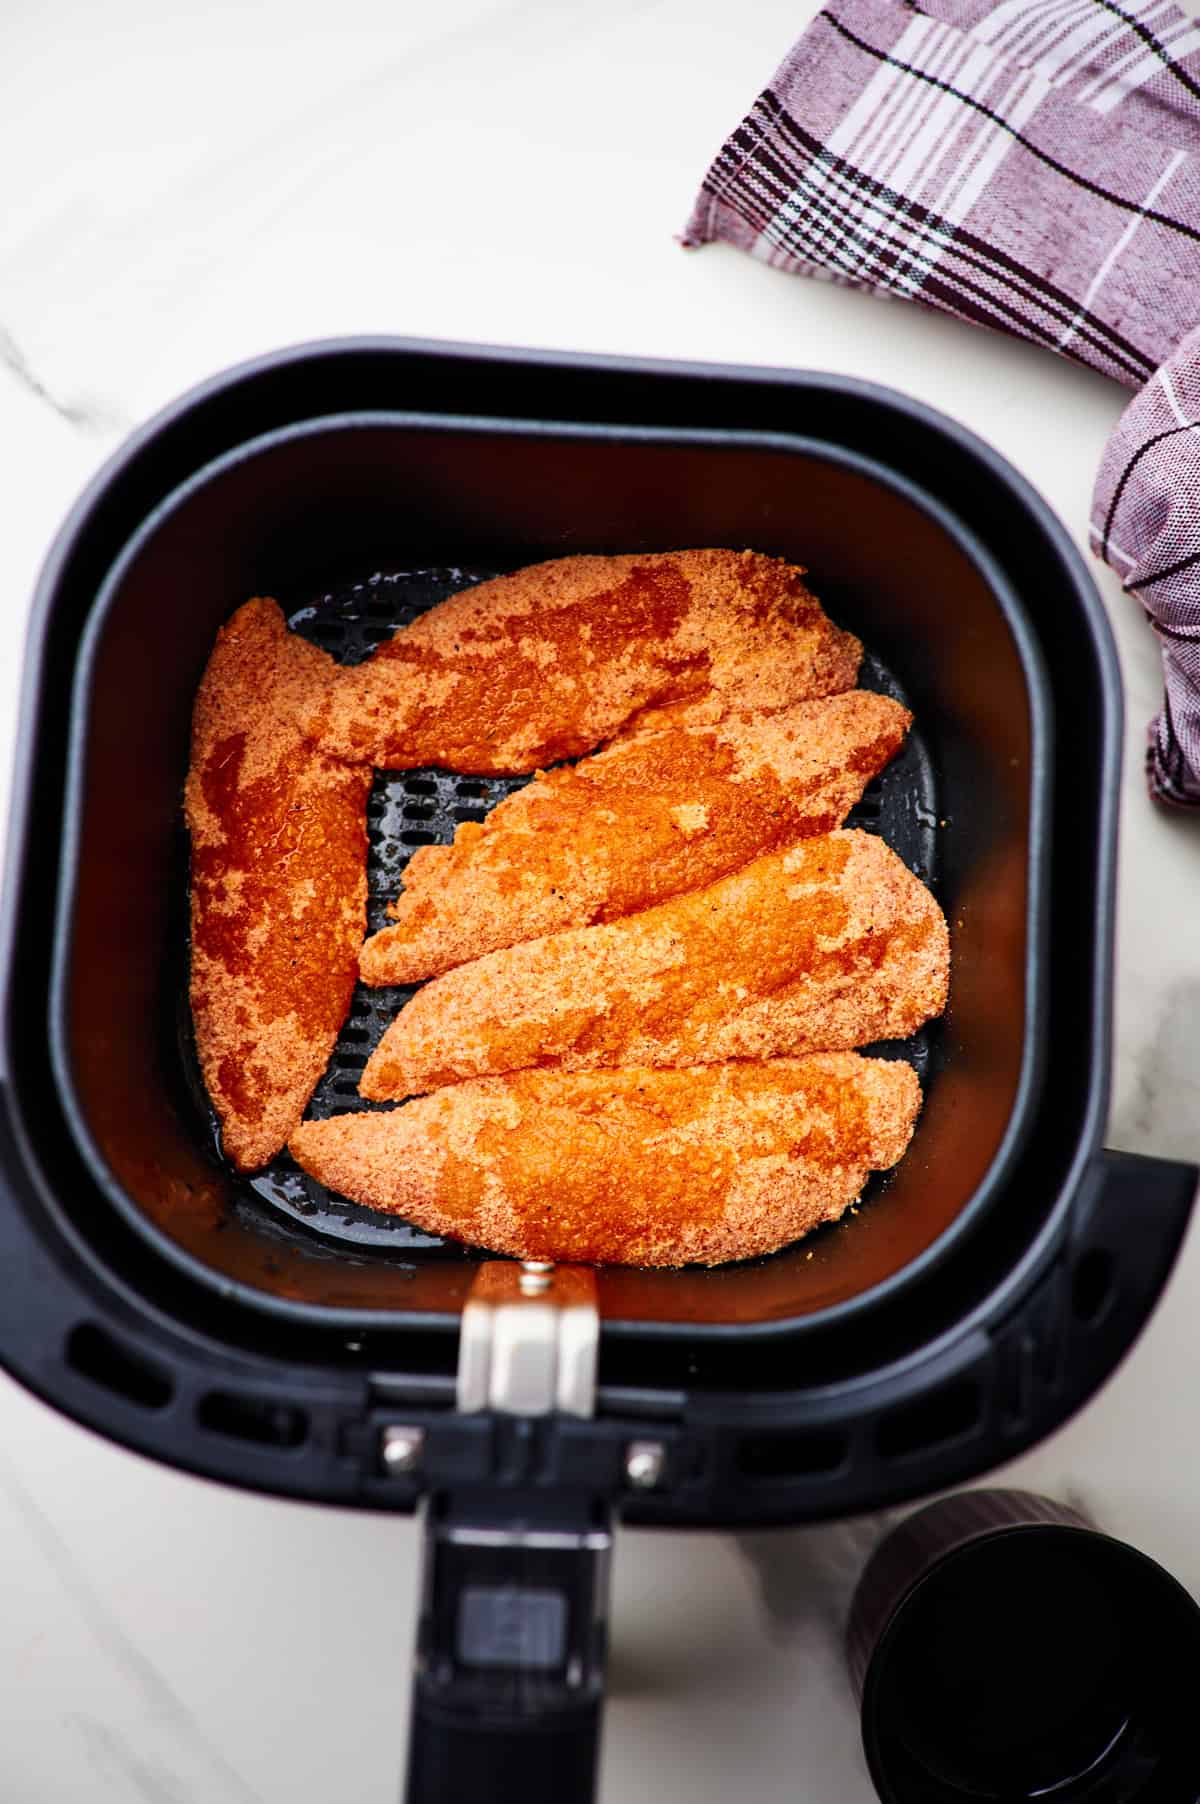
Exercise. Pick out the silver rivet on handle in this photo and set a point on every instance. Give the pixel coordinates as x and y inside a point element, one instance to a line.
<point>401,1448</point>
<point>645,1464</point>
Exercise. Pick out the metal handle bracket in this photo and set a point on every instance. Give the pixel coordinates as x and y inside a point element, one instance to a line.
<point>529,1340</point>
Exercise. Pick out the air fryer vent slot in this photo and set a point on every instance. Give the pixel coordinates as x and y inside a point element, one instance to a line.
<point>946,1414</point>
<point>261,1420</point>
<point>1093,1286</point>
<point>103,1360</point>
<point>410,809</point>
<point>767,1456</point>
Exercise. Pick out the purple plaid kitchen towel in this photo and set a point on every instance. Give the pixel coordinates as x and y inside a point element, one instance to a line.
<point>1032,166</point>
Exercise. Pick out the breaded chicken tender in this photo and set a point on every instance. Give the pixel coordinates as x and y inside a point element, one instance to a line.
<point>630,1167</point>
<point>279,889</point>
<point>830,944</point>
<point>676,801</point>
<point>546,663</point>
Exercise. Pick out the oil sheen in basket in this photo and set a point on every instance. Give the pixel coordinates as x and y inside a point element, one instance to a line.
<point>408,809</point>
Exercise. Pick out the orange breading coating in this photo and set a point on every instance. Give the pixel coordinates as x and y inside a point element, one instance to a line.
<point>828,945</point>
<point>279,887</point>
<point>675,802</point>
<point>544,664</point>
<point>631,1167</point>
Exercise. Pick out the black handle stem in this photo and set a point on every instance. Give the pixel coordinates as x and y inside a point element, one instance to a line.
<point>509,1673</point>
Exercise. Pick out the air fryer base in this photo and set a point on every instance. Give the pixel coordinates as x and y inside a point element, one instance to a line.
<point>994,1347</point>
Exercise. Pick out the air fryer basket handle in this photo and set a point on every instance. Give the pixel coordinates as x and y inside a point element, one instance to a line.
<point>486,1764</point>
<point>509,1676</point>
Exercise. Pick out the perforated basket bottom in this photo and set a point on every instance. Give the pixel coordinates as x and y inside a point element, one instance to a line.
<point>408,809</point>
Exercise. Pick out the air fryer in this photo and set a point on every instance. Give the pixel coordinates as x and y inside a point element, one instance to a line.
<point>260,1331</point>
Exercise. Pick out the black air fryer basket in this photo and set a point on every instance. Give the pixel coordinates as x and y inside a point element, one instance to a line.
<point>262,1332</point>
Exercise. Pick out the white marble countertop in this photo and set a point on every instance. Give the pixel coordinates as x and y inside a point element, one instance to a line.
<point>182,187</point>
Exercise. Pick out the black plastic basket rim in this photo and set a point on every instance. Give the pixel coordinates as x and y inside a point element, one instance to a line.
<point>1034,1051</point>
